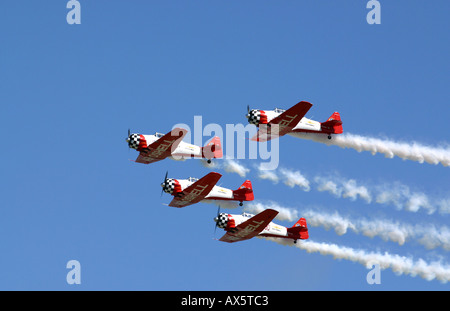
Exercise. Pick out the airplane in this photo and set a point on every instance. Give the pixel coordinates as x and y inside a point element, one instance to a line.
<point>157,147</point>
<point>193,190</point>
<point>291,121</point>
<point>246,226</point>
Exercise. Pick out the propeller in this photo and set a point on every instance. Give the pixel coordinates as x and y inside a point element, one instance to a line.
<point>128,138</point>
<point>248,111</point>
<point>216,219</point>
<point>162,185</point>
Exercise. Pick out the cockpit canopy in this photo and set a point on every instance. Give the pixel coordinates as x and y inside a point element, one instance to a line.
<point>248,215</point>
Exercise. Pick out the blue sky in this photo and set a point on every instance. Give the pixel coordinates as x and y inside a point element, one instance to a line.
<point>69,93</point>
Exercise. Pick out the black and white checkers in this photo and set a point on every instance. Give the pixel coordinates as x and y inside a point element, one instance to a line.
<point>168,185</point>
<point>134,141</point>
<point>254,116</point>
<point>222,220</point>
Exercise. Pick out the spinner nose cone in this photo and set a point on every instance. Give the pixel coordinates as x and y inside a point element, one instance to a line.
<point>133,141</point>
<point>216,219</point>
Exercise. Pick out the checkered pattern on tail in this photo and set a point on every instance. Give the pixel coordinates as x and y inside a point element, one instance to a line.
<point>222,220</point>
<point>254,116</point>
<point>168,185</point>
<point>133,141</point>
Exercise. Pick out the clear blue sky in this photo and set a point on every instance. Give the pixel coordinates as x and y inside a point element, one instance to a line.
<point>69,93</point>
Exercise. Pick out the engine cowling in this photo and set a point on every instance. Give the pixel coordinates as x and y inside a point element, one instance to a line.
<point>137,141</point>
<point>225,221</point>
<point>171,186</point>
<point>257,117</point>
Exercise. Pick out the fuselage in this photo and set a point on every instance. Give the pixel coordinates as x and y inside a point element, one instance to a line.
<point>217,192</point>
<point>182,151</point>
<point>271,230</point>
<point>305,124</point>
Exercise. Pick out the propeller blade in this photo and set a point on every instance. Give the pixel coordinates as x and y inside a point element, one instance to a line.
<point>165,178</point>
<point>128,140</point>
<point>217,217</point>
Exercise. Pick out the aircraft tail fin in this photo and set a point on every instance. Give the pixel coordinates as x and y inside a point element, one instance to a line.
<point>301,228</point>
<point>333,125</point>
<point>213,149</point>
<point>245,192</point>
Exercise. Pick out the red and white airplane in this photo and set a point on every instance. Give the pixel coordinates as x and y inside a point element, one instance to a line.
<point>153,148</point>
<point>246,226</point>
<point>193,190</point>
<point>291,121</point>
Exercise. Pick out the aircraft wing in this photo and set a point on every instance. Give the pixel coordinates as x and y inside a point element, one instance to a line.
<point>197,191</point>
<point>285,121</point>
<point>250,228</point>
<point>163,147</point>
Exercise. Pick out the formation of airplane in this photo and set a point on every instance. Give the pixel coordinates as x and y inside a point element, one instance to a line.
<point>193,190</point>
<point>272,124</point>
<point>291,121</point>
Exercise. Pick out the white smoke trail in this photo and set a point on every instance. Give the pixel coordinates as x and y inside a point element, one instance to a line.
<point>222,204</point>
<point>295,178</point>
<point>268,174</point>
<point>425,234</point>
<point>336,186</point>
<point>343,188</point>
<point>402,197</point>
<point>290,178</point>
<point>329,221</point>
<point>407,151</point>
<point>229,165</point>
<point>392,193</point>
<point>399,264</point>
<point>233,166</point>
<point>444,206</point>
<point>396,194</point>
<point>284,213</point>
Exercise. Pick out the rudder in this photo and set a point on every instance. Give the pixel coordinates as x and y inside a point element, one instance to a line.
<point>245,191</point>
<point>213,149</point>
<point>334,124</point>
<point>301,228</point>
